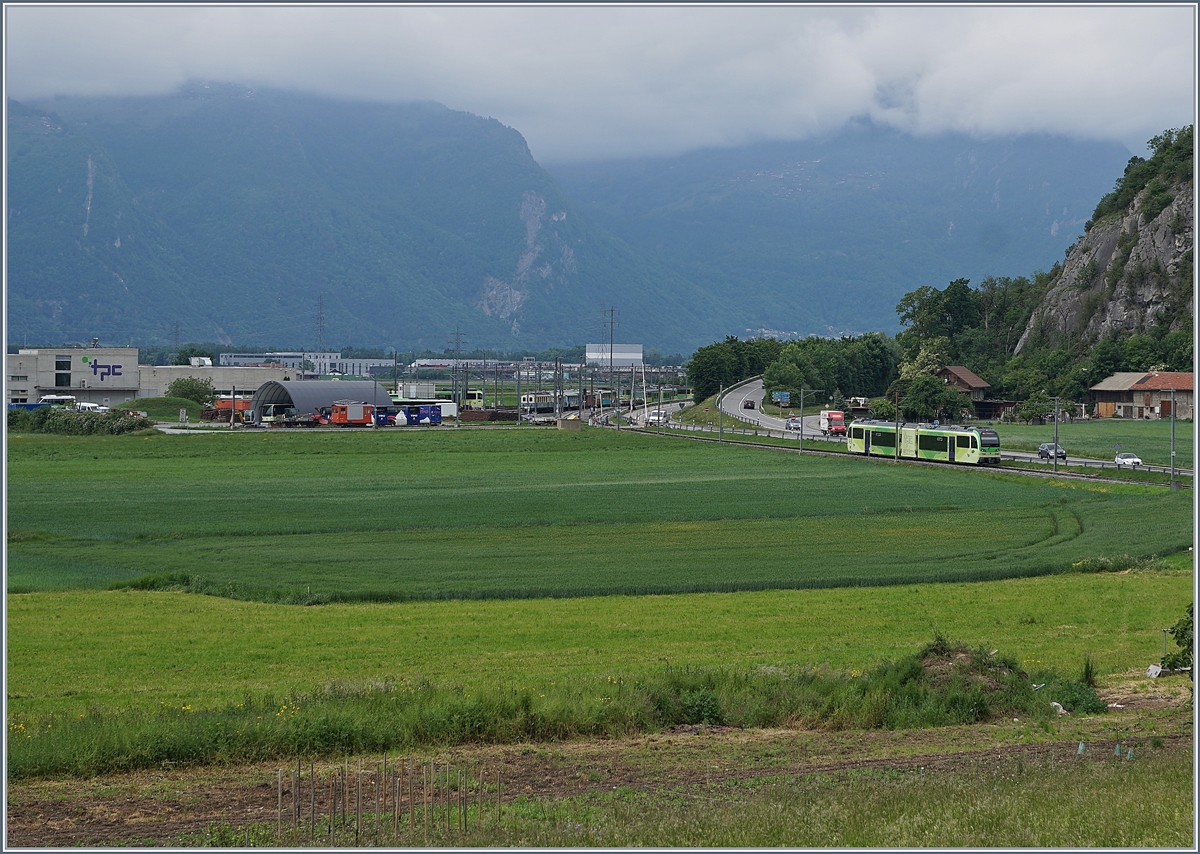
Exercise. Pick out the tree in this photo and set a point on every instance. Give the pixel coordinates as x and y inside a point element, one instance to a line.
<point>924,399</point>
<point>1038,406</point>
<point>1182,632</point>
<point>185,356</point>
<point>191,388</point>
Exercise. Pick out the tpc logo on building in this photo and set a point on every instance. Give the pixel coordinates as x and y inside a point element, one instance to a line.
<point>102,371</point>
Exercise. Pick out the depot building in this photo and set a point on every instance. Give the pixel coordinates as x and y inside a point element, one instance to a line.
<point>111,375</point>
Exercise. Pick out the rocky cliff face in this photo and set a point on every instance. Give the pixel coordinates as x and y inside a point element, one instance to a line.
<point>1130,272</point>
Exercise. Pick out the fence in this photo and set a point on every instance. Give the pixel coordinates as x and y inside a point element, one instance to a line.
<point>398,801</point>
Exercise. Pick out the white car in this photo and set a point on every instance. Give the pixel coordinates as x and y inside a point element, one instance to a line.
<point>657,417</point>
<point>1127,459</point>
<point>792,423</point>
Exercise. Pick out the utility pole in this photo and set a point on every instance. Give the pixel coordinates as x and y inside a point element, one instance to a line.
<point>1174,485</point>
<point>721,416</point>
<point>612,325</point>
<point>897,426</point>
<point>321,322</point>
<point>802,391</point>
<point>1055,454</point>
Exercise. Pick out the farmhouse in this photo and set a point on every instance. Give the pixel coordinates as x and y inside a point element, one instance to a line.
<point>1144,394</point>
<point>1152,394</point>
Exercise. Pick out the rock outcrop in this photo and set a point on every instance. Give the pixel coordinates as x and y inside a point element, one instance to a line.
<point>1130,272</point>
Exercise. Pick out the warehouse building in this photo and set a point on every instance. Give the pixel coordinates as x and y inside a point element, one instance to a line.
<point>111,376</point>
<point>310,396</point>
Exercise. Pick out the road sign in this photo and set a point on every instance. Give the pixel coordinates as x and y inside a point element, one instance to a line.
<point>781,397</point>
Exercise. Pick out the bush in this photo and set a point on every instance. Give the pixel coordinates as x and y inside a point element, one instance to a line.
<point>70,423</point>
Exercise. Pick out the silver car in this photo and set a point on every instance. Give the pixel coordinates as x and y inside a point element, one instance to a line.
<point>1127,459</point>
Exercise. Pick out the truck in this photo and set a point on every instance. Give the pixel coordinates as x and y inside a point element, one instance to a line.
<point>352,413</point>
<point>833,422</point>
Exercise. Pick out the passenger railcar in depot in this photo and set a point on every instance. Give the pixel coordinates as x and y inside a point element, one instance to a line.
<point>973,446</point>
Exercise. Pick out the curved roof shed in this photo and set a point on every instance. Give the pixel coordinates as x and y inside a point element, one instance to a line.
<point>307,396</point>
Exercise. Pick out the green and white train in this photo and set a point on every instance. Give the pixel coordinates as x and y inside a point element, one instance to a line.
<point>972,446</point>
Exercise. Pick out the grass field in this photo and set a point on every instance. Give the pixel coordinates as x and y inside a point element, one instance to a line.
<point>325,516</point>
<point>68,652</point>
<point>1096,439</point>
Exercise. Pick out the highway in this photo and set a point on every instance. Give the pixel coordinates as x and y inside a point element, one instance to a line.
<point>733,403</point>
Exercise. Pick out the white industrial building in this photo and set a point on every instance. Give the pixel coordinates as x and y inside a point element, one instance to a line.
<point>112,375</point>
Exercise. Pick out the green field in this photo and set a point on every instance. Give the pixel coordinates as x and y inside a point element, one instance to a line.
<point>394,515</point>
<point>71,651</point>
<point>1095,439</point>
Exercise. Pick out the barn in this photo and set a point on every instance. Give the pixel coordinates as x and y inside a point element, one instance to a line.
<point>310,396</point>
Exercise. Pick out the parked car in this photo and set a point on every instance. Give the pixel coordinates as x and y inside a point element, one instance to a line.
<point>1127,459</point>
<point>747,404</point>
<point>1049,449</point>
<point>792,423</point>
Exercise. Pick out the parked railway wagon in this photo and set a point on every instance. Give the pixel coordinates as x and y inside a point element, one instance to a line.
<point>973,446</point>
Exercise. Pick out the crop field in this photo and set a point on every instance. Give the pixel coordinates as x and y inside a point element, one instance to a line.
<point>436,590</point>
<point>387,516</point>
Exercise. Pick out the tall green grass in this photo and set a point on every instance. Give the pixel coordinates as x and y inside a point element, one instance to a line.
<point>941,685</point>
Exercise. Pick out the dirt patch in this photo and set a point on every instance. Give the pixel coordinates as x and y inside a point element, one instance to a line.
<point>157,807</point>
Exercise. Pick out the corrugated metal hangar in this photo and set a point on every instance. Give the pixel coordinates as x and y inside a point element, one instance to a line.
<point>311,396</point>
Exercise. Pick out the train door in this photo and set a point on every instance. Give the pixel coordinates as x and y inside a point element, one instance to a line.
<point>908,442</point>
<point>951,441</point>
<point>866,441</point>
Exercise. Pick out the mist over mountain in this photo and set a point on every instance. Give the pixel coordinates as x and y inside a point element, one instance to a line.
<point>824,236</point>
<point>234,213</point>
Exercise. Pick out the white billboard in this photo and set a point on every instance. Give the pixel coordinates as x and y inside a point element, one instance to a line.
<point>623,355</point>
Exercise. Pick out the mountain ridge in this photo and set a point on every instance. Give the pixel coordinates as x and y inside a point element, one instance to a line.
<point>236,212</point>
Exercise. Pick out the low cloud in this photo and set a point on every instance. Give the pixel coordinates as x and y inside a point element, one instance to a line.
<point>588,82</point>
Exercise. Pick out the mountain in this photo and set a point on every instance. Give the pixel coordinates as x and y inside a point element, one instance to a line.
<point>267,218</point>
<point>1132,271</point>
<point>236,213</point>
<point>825,236</point>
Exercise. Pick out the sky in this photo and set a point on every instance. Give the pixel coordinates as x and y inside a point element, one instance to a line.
<point>600,82</point>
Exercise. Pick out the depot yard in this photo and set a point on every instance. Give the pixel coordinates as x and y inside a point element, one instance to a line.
<point>502,572</point>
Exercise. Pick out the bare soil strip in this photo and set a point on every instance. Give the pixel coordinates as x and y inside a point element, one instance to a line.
<point>156,807</point>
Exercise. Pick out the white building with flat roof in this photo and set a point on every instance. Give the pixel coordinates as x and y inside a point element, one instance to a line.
<point>623,355</point>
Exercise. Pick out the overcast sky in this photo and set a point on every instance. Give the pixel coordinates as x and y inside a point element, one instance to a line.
<point>598,82</point>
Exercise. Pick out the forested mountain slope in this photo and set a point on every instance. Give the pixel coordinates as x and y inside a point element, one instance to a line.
<point>1132,272</point>
<point>263,218</point>
<point>234,212</point>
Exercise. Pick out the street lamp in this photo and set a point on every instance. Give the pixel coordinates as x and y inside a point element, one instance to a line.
<point>802,390</point>
<point>1055,455</point>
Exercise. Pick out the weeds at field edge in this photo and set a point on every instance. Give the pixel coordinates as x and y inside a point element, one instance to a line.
<point>942,684</point>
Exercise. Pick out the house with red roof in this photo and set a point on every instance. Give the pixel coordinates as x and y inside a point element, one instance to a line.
<point>1144,395</point>
<point>1158,391</point>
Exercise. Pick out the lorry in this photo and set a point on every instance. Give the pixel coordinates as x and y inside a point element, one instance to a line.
<point>833,422</point>
<point>352,413</point>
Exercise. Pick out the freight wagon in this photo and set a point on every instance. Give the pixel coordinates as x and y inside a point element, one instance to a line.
<point>965,445</point>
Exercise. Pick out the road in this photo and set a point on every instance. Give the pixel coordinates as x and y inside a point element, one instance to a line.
<point>733,403</point>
